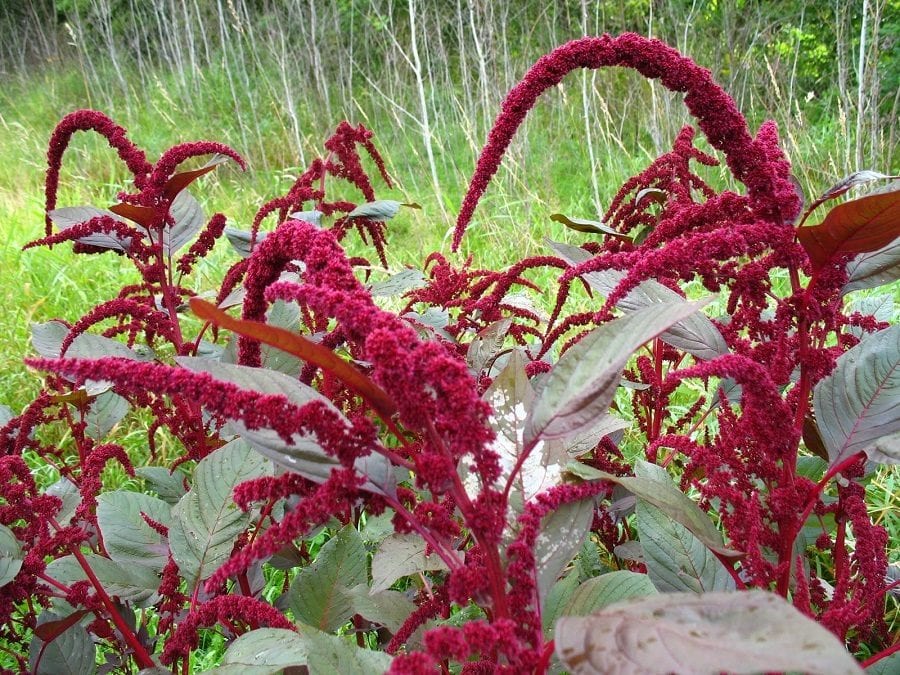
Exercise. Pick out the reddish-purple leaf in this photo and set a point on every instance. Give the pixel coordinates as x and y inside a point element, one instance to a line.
<point>857,226</point>
<point>302,348</point>
<point>50,630</point>
<point>142,215</point>
<point>181,180</point>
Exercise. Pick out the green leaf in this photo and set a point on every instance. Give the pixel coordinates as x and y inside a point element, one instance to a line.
<point>188,218</point>
<point>105,412</point>
<point>607,589</point>
<point>401,555</point>
<point>886,666</point>
<point>860,225</point>
<point>302,454</point>
<point>68,493</point>
<point>47,339</point>
<point>880,307</point>
<point>380,210</point>
<point>265,651</point>
<point>332,654</point>
<point>72,653</point>
<point>583,382</point>
<point>588,226</point>
<point>283,315</point>
<point>319,593</point>
<point>562,533</point>
<point>695,334</point>
<point>398,284</point>
<point>870,270</point>
<point>129,583</point>
<point>858,403</point>
<point>557,598</point>
<point>128,539</point>
<point>391,609</point>
<point>677,560</point>
<point>10,555</point>
<point>168,485</point>
<point>652,484</point>
<point>487,344</point>
<point>746,632</point>
<point>206,520</point>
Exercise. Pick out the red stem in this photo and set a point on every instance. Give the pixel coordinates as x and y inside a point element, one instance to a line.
<point>883,654</point>
<point>546,655</point>
<point>140,653</point>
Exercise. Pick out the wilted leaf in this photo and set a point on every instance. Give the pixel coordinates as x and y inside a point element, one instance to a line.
<point>583,382</point>
<point>746,632</point>
<point>859,402</point>
<point>853,180</point>
<point>401,555</point>
<point>398,284</point>
<point>695,334</point>
<point>857,226</point>
<point>589,226</point>
<point>206,521</point>
<point>71,653</point>
<point>563,531</point>
<point>69,216</point>
<point>677,560</point>
<point>127,537</point>
<point>10,555</point>
<point>870,270</point>
<point>653,484</point>
<point>319,594</point>
<point>607,589</point>
<point>129,583</point>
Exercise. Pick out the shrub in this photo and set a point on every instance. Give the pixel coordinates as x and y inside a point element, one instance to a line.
<point>423,478</point>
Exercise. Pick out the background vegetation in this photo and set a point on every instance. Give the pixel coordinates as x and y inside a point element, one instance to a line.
<point>272,78</point>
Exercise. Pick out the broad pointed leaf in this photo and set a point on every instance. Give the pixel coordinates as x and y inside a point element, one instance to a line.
<point>747,632</point>
<point>182,179</point>
<point>127,537</point>
<point>129,583</point>
<point>303,348</point>
<point>106,411</point>
<point>870,270</point>
<point>188,218</point>
<point>71,653</point>
<point>857,226</point>
<point>10,555</point>
<point>677,560</point>
<point>391,609</point>
<point>487,344</point>
<point>68,216</point>
<point>653,484</point>
<point>303,453</point>
<point>398,284</point>
<point>562,533</point>
<point>167,484</point>
<point>855,179</point>
<point>401,555</point>
<point>607,589</point>
<point>240,240</point>
<point>589,226</point>
<point>695,334</point>
<point>206,521</point>
<point>319,595</point>
<point>859,403</point>
<point>582,384</point>
<point>268,649</point>
<point>380,210</point>
<point>68,494</point>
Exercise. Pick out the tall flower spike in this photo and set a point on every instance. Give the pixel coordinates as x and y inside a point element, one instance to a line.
<point>759,164</point>
<point>90,120</point>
